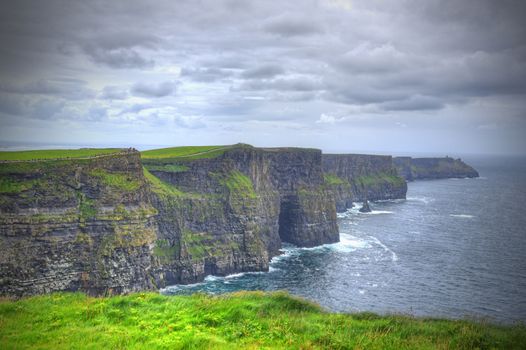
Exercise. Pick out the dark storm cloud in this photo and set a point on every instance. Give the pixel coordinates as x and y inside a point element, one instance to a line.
<point>163,89</point>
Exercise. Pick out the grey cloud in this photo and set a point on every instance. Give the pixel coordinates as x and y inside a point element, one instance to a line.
<point>257,59</point>
<point>413,103</point>
<point>282,84</point>
<point>122,58</point>
<point>114,93</point>
<point>206,74</point>
<point>135,108</point>
<point>370,59</point>
<point>154,90</point>
<point>291,25</point>
<point>125,40</point>
<point>30,107</point>
<point>73,89</point>
<point>46,108</point>
<point>263,72</point>
<point>13,105</point>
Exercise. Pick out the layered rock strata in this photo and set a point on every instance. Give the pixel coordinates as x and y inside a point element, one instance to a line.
<point>83,224</point>
<point>107,224</point>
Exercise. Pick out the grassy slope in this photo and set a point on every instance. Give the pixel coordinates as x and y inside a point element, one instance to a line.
<point>56,153</point>
<point>244,320</point>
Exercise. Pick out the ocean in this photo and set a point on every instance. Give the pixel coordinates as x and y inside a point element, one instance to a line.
<point>455,248</point>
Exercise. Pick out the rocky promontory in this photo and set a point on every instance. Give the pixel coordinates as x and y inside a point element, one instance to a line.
<point>433,168</point>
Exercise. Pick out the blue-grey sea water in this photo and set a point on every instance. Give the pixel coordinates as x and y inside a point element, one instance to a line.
<point>454,248</point>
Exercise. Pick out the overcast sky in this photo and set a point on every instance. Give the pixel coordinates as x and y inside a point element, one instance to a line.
<point>401,77</point>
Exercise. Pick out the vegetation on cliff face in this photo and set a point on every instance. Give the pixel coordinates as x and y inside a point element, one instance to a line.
<point>119,181</point>
<point>237,183</point>
<point>378,179</point>
<point>332,180</point>
<point>56,153</point>
<point>243,320</point>
<point>160,187</point>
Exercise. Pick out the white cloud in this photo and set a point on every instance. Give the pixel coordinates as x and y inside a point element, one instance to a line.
<point>329,119</point>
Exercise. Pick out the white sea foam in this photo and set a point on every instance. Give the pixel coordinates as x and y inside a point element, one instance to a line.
<point>235,275</point>
<point>425,200</point>
<point>398,200</point>
<point>464,216</point>
<point>351,241</point>
<point>212,278</point>
<point>376,212</point>
<point>176,287</point>
<point>394,257</point>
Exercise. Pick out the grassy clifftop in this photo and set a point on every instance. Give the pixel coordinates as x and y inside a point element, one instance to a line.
<point>185,152</point>
<point>56,153</point>
<point>243,320</point>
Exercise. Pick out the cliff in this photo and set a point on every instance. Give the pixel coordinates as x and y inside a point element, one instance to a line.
<point>75,224</point>
<point>227,209</point>
<point>433,168</point>
<point>109,223</point>
<point>356,177</point>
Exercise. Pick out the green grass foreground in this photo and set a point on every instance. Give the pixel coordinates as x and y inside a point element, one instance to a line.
<point>243,320</point>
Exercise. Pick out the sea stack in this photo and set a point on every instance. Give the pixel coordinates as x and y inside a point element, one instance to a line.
<point>365,207</point>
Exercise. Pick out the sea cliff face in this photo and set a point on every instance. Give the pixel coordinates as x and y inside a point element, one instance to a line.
<point>82,224</point>
<point>230,210</point>
<point>114,224</point>
<point>121,222</point>
<point>356,177</point>
<point>433,168</point>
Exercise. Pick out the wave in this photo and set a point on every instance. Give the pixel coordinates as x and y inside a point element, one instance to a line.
<point>347,243</point>
<point>394,257</point>
<point>465,216</point>
<point>376,212</point>
<point>424,200</point>
<point>397,200</point>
